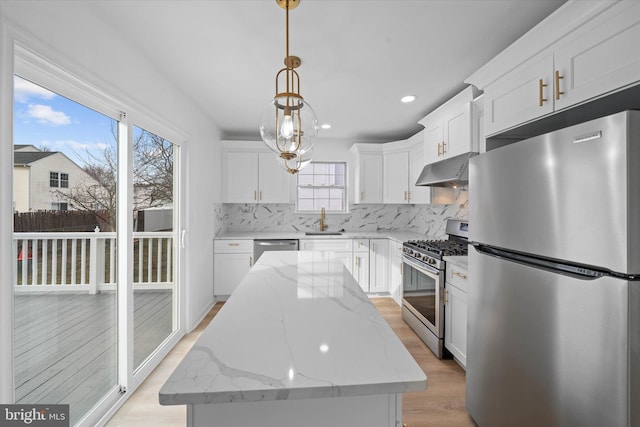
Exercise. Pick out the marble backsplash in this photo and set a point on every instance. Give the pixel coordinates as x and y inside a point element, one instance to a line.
<point>425,219</point>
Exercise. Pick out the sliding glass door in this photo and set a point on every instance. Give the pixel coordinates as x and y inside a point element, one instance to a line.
<point>154,243</point>
<point>65,223</point>
<point>82,329</point>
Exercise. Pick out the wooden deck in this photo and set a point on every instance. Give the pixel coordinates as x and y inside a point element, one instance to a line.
<point>65,344</point>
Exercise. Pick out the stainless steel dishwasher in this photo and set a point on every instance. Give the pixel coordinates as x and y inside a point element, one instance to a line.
<point>264,245</point>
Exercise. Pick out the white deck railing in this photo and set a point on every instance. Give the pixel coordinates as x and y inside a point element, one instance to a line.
<point>87,261</point>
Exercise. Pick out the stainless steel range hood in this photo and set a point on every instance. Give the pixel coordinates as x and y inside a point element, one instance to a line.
<point>453,172</point>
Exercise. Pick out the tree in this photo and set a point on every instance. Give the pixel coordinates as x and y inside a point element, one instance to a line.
<point>152,171</point>
<point>152,178</point>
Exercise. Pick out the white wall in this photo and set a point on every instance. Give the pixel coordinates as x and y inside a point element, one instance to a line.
<point>72,36</point>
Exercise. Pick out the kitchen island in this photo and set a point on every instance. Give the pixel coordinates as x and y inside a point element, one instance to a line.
<point>298,343</point>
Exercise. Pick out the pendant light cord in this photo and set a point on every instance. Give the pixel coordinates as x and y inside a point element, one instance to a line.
<point>287,34</point>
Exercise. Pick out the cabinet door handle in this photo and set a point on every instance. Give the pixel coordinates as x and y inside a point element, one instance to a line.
<point>541,98</point>
<point>361,195</point>
<point>460,275</point>
<point>357,261</point>
<point>408,196</point>
<point>445,297</point>
<point>444,148</point>
<point>373,247</point>
<point>439,149</point>
<point>260,194</point>
<point>255,195</point>
<point>405,195</point>
<point>558,91</point>
<point>250,261</point>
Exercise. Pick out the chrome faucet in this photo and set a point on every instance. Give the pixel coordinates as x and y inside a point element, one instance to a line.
<point>323,224</point>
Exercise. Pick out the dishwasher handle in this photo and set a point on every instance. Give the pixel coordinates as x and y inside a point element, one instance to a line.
<point>263,243</point>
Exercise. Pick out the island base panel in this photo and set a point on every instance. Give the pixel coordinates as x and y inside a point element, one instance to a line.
<point>366,411</point>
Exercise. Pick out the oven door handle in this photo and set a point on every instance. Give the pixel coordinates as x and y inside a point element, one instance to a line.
<point>425,269</point>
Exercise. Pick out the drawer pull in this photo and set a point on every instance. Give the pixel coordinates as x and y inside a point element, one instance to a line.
<point>234,244</point>
<point>460,275</point>
<point>541,98</point>
<point>558,91</point>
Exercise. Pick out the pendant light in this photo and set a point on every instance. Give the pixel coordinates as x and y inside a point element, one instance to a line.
<point>289,125</point>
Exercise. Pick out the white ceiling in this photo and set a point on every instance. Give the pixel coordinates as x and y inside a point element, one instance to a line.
<point>359,57</point>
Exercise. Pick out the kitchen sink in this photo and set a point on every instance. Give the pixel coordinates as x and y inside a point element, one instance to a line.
<point>323,233</point>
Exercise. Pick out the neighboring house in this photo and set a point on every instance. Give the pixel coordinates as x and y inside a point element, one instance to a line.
<point>37,177</point>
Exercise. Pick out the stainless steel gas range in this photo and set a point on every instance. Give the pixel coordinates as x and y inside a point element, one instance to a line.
<point>423,273</point>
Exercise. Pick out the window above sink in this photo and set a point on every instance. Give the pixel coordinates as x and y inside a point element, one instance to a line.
<point>322,185</point>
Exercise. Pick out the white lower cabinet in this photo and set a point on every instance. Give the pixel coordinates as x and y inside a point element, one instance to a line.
<point>379,265</point>
<point>395,271</point>
<point>341,249</point>
<point>361,263</point>
<point>368,260</point>
<point>232,260</point>
<point>455,332</point>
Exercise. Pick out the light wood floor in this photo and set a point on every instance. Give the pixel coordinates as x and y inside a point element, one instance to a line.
<point>440,405</point>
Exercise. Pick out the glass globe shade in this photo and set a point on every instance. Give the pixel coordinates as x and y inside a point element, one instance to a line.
<point>288,125</point>
<point>297,164</point>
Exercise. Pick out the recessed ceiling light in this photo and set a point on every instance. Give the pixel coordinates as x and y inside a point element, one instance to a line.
<point>408,98</point>
<point>326,126</point>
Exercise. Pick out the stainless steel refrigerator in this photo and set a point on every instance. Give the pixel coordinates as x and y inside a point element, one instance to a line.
<point>554,303</point>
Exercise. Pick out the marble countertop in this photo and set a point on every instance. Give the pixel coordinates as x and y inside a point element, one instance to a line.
<point>397,235</point>
<point>460,261</point>
<point>298,326</point>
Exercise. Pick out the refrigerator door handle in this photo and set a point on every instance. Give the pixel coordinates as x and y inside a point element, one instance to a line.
<point>577,271</point>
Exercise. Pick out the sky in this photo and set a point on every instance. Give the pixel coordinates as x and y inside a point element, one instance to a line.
<point>47,120</point>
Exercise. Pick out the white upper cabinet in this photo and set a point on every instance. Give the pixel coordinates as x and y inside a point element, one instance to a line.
<point>450,130</point>
<point>604,58</point>
<point>582,51</point>
<point>522,95</point>
<point>457,127</point>
<point>274,183</point>
<point>417,194</point>
<point>251,175</point>
<point>368,173</point>
<point>396,177</point>
<point>386,173</point>
<point>403,162</point>
<point>433,138</point>
<point>241,177</point>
